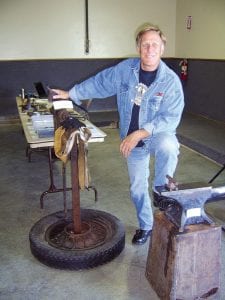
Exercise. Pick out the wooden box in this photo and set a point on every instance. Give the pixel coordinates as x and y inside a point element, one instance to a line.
<point>184,265</point>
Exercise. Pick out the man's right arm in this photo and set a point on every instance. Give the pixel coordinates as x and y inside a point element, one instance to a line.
<point>99,86</point>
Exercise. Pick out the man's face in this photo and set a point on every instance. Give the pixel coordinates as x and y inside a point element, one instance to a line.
<point>151,48</point>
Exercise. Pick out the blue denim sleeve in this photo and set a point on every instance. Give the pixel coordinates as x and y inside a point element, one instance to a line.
<point>102,85</point>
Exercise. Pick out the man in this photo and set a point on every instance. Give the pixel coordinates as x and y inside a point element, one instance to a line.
<point>150,104</point>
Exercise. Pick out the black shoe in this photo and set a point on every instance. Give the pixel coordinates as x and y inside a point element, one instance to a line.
<point>141,236</point>
<point>162,202</point>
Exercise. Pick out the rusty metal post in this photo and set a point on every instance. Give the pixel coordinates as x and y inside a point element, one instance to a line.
<point>75,190</point>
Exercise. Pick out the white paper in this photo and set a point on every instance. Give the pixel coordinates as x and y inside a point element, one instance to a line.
<point>60,104</point>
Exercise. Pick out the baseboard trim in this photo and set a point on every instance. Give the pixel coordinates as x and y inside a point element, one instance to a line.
<point>14,119</point>
<point>202,149</point>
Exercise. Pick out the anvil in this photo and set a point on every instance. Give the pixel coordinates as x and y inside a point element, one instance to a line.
<point>187,203</point>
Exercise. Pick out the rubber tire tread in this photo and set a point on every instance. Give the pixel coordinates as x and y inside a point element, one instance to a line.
<point>76,259</point>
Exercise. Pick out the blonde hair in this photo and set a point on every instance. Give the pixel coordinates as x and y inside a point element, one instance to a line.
<point>149,27</point>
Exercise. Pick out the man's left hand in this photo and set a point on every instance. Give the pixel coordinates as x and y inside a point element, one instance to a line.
<point>131,141</point>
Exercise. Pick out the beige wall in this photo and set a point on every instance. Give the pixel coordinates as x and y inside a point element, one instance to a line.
<point>31,29</point>
<point>206,39</point>
<point>45,29</point>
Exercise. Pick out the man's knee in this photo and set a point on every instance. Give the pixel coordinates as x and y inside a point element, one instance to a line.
<point>167,144</point>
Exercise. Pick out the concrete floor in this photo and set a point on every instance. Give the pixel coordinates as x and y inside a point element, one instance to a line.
<point>21,184</point>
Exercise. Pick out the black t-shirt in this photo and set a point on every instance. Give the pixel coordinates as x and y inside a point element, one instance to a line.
<point>145,77</point>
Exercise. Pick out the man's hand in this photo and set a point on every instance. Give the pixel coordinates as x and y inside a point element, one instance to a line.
<point>131,141</point>
<point>60,94</point>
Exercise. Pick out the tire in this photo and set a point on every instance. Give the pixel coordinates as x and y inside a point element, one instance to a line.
<point>76,259</point>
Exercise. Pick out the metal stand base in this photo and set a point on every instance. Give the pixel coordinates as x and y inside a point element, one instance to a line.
<point>52,188</point>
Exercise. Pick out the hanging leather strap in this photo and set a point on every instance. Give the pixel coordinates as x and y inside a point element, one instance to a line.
<point>63,143</point>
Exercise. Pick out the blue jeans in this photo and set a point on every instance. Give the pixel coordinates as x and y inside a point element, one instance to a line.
<point>165,149</point>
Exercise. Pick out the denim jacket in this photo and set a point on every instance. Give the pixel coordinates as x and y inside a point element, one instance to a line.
<point>161,107</point>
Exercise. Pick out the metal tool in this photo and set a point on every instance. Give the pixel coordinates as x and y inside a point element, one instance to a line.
<point>187,203</point>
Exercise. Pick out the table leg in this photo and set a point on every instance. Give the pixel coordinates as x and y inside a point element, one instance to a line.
<point>52,188</point>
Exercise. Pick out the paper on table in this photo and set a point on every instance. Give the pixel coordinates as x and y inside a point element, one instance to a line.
<point>60,104</point>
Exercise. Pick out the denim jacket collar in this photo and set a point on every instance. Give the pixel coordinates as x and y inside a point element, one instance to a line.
<point>160,76</point>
